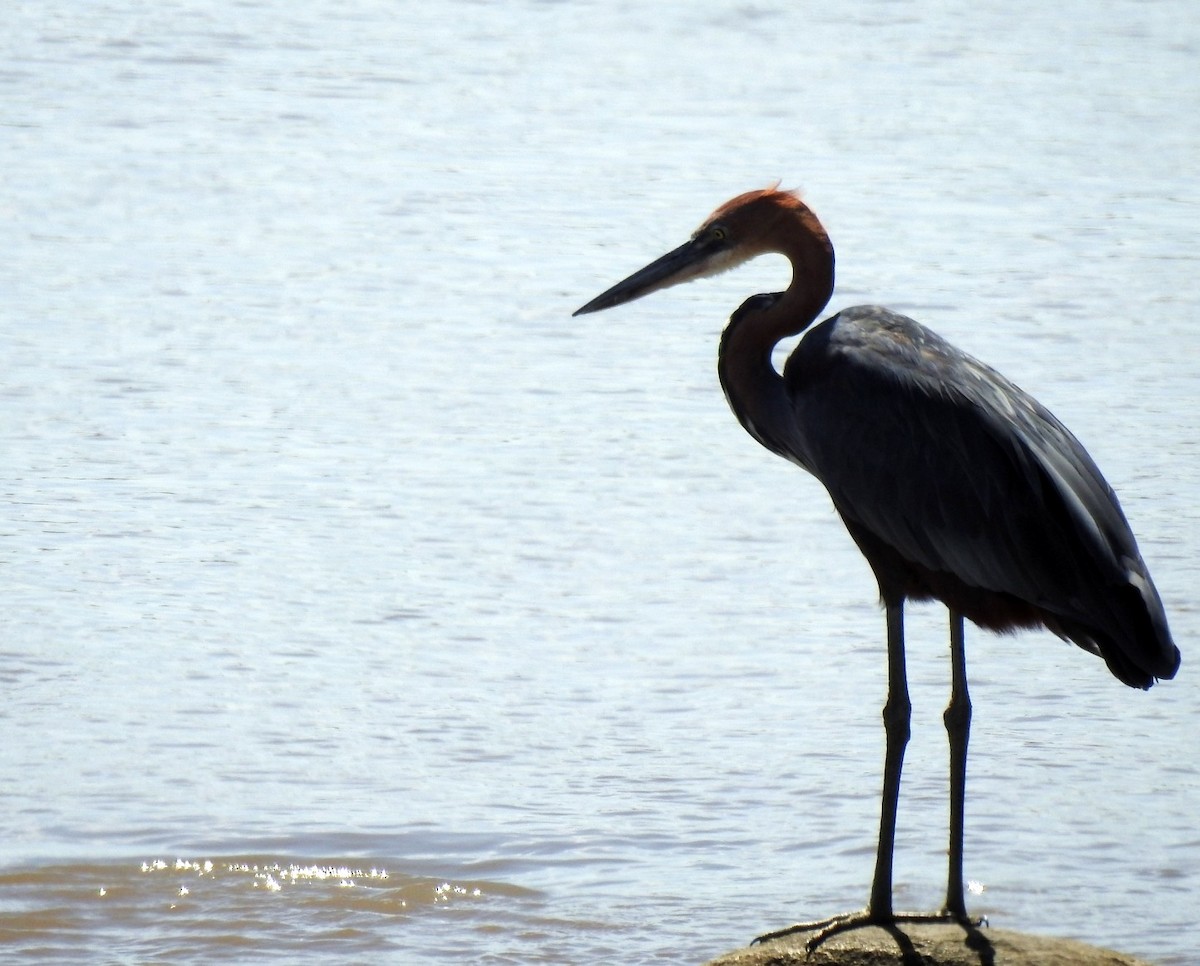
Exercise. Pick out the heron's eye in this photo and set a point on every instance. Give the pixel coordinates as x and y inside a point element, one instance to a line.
<point>718,233</point>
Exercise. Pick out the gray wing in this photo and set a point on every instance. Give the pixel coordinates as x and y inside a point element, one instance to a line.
<point>960,471</point>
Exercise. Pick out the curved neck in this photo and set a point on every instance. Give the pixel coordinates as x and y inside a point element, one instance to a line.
<point>754,389</point>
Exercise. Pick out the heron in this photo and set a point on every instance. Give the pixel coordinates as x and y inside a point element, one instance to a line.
<point>955,484</point>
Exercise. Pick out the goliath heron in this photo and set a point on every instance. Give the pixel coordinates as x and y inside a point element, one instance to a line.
<point>955,484</point>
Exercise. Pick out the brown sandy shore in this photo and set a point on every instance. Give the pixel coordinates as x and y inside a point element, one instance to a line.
<point>928,945</point>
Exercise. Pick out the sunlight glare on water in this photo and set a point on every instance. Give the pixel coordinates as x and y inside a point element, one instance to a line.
<point>335,549</point>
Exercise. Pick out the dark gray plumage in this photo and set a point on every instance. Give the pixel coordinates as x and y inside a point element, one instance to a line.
<point>959,486</point>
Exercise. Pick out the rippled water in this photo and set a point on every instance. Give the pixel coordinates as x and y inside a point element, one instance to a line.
<point>360,601</point>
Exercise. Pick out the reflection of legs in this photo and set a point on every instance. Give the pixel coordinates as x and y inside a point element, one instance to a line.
<point>958,727</point>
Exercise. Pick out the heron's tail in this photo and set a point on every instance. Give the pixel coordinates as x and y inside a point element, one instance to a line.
<point>1137,644</point>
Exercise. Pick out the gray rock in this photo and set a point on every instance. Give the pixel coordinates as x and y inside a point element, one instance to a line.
<point>925,944</point>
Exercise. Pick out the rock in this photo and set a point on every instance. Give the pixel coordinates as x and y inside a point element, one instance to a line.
<point>927,944</point>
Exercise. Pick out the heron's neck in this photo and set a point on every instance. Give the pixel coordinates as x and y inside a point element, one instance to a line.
<point>755,390</point>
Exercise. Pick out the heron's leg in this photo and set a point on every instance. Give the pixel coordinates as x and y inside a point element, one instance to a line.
<point>958,727</point>
<point>896,725</point>
<point>896,714</point>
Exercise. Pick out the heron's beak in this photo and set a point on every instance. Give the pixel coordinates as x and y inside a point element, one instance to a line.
<point>691,260</point>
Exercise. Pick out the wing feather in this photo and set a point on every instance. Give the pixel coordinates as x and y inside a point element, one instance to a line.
<point>960,471</point>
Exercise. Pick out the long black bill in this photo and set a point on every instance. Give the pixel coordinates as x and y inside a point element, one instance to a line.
<point>685,263</point>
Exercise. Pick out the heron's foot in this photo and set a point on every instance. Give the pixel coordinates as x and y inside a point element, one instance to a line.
<point>822,929</point>
<point>816,927</point>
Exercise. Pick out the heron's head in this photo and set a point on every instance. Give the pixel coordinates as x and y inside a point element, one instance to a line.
<point>739,230</point>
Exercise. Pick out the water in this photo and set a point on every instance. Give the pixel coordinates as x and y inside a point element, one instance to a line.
<point>448,628</point>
